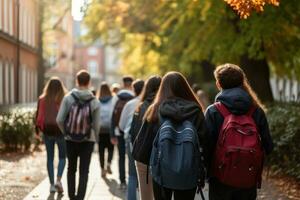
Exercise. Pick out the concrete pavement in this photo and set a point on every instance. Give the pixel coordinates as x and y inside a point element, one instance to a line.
<point>97,189</point>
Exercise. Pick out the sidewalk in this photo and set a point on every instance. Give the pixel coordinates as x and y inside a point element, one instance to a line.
<point>97,188</point>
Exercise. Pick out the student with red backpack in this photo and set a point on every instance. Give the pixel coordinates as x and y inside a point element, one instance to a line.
<point>117,135</point>
<point>79,120</point>
<point>48,106</point>
<point>238,135</point>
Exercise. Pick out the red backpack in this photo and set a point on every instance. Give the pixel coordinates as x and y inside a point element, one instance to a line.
<point>238,159</point>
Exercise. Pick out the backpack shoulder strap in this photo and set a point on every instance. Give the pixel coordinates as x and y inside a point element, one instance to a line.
<point>74,97</point>
<point>222,109</point>
<point>251,110</point>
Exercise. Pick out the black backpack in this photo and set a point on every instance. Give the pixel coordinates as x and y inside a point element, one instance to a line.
<point>118,110</point>
<point>142,145</point>
<point>137,120</point>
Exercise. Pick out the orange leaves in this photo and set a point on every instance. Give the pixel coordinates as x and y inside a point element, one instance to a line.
<point>245,7</point>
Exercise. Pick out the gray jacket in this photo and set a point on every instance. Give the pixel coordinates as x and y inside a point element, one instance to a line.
<point>65,107</point>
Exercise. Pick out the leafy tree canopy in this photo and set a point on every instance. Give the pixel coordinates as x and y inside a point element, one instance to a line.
<point>179,33</point>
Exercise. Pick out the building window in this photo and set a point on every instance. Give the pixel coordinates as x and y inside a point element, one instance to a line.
<point>93,67</point>
<point>29,24</point>
<point>5,15</point>
<point>1,81</point>
<point>22,82</point>
<point>21,23</point>
<point>33,31</point>
<point>12,84</point>
<point>92,51</point>
<point>10,17</point>
<point>24,26</point>
<point>6,70</point>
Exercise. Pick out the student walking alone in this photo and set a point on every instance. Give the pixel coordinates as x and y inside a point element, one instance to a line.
<point>147,97</point>
<point>124,125</point>
<point>79,120</point>
<point>106,109</point>
<point>238,135</point>
<point>117,136</point>
<point>48,106</point>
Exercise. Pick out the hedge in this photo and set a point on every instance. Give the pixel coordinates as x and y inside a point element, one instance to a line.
<point>17,129</point>
<point>284,121</point>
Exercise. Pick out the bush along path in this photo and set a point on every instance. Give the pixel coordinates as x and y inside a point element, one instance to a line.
<point>20,173</point>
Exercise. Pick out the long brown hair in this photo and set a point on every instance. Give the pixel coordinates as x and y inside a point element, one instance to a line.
<point>173,84</point>
<point>150,89</point>
<point>230,76</point>
<point>104,90</point>
<point>54,91</point>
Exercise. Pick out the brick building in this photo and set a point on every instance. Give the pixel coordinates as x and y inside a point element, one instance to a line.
<point>91,58</point>
<point>18,51</point>
<point>59,47</point>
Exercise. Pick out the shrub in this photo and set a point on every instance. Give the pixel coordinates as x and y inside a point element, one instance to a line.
<point>284,121</point>
<point>17,129</point>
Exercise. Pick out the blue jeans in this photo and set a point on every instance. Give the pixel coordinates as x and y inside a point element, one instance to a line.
<point>50,143</point>
<point>132,179</point>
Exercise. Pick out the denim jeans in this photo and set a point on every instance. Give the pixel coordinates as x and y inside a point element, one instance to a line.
<point>132,179</point>
<point>83,151</point>
<point>121,149</point>
<point>50,144</point>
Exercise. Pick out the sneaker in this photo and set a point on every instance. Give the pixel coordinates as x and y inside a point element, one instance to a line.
<point>103,173</point>
<point>59,187</point>
<point>108,169</point>
<point>52,189</point>
<point>122,186</point>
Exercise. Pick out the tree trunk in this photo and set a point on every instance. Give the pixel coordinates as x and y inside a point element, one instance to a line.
<point>258,74</point>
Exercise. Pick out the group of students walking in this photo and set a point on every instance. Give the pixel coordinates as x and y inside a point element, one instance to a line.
<point>173,145</point>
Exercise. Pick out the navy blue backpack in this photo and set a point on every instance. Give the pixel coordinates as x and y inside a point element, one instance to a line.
<point>176,160</point>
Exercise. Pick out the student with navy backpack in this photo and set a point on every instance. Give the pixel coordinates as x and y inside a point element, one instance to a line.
<point>79,120</point>
<point>238,135</point>
<point>106,109</point>
<point>175,125</point>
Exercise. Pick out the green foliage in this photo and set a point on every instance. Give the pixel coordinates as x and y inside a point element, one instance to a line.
<point>17,129</point>
<point>183,32</point>
<point>284,121</point>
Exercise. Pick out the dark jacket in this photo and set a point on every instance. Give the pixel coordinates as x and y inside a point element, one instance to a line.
<point>178,109</point>
<point>238,102</point>
<point>123,95</point>
<point>138,116</point>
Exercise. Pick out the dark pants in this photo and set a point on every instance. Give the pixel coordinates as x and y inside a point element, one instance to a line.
<point>104,143</point>
<point>162,193</point>
<point>219,191</point>
<point>121,149</point>
<point>83,151</point>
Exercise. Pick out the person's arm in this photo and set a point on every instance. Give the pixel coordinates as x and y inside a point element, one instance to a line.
<point>213,123</point>
<point>96,118</point>
<point>124,117</point>
<point>264,131</point>
<point>62,114</point>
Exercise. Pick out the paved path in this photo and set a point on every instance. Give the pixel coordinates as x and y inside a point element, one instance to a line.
<point>98,189</point>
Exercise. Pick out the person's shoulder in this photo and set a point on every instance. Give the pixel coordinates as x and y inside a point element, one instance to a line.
<point>211,109</point>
